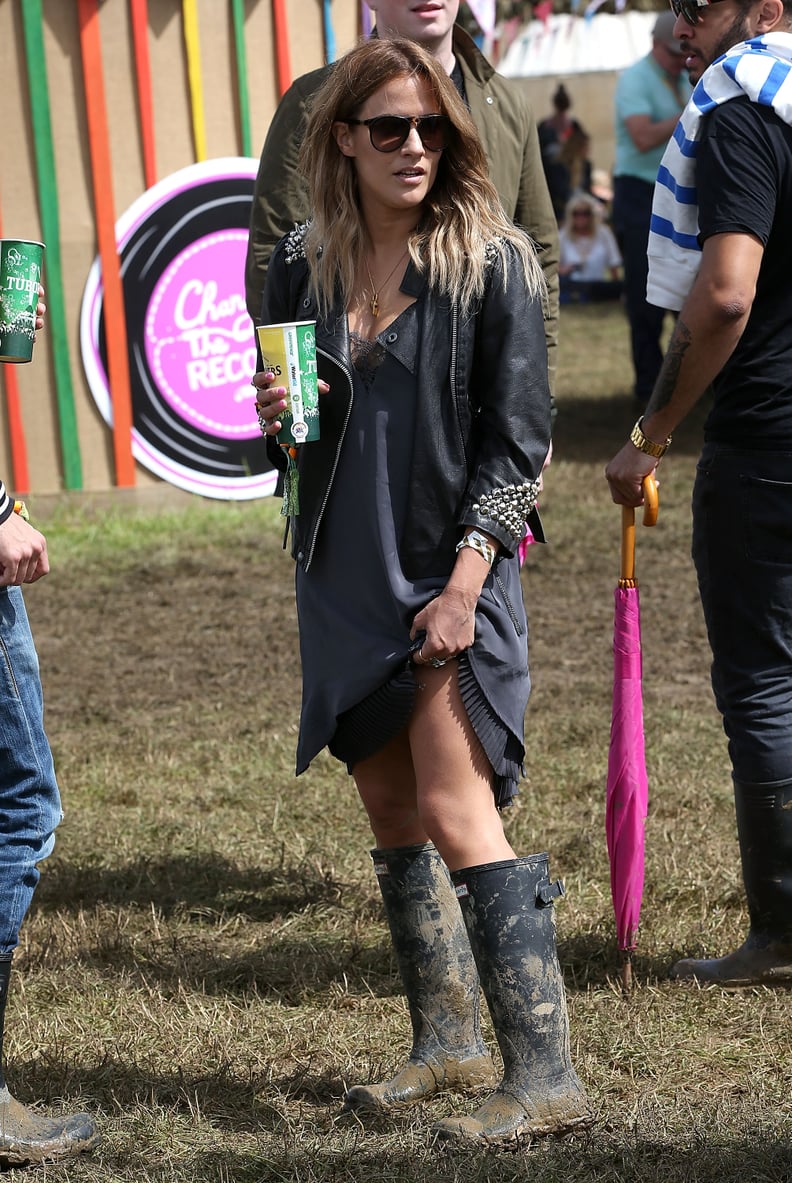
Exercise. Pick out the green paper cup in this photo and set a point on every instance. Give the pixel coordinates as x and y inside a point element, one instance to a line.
<point>20,275</point>
<point>289,350</point>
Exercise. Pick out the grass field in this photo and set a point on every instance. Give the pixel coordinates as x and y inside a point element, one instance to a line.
<point>206,964</point>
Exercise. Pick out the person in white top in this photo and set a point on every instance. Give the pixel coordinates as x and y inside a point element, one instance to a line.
<point>589,252</point>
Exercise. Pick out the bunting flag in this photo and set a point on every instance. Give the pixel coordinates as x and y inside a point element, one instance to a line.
<point>139,9</point>
<point>193,46</point>
<point>282,45</point>
<point>114,316</point>
<point>484,12</point>
<point>329,35</point>
<point>238,12</point>
<point>18,480</point>
<point>33,23</point>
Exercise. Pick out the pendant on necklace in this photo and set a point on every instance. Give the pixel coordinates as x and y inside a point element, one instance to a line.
<point>374,304</point>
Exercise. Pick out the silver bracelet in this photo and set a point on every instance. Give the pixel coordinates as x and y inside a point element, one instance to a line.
<point>480,543</point>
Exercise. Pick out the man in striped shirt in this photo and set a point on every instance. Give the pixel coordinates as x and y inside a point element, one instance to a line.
<point>734,331</point>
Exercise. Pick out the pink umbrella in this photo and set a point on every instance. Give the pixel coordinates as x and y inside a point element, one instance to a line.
<point>627,791</point>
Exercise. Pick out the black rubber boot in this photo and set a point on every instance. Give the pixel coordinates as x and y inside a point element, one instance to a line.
<point>439,978</point>
<point>28,1137</point>
<point>764,828</point>
<point>508,911</point>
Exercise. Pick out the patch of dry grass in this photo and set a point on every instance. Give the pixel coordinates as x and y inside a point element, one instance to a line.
<point>206,965</point>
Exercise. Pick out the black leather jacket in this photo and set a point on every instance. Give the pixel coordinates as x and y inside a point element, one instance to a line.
<point>482,424</point>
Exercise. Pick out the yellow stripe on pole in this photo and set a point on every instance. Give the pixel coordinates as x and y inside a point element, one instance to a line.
<point>192,42</point>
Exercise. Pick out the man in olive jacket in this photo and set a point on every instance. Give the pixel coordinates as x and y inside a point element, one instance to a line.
<point>499,109</point>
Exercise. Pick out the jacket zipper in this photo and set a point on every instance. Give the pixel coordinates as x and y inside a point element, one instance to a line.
<point>509,608</point>
<point>320,515</point>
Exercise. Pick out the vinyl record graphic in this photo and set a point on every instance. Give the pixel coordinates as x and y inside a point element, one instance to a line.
<point>192,350</point>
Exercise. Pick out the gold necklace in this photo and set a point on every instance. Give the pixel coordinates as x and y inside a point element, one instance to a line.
<point>374,303</point>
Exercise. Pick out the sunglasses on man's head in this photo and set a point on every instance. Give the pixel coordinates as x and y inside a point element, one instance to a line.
<point>389,132</point>
<point>691,10</point>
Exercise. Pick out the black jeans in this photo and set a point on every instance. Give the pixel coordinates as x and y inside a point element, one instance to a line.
<point>742,550</point>
<point>632,212</point>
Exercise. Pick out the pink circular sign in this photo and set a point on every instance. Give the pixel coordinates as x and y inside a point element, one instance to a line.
<point>192,351</point>
<point>198,337</point>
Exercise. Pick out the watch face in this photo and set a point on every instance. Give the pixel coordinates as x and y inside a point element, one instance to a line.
<point>191,345</point>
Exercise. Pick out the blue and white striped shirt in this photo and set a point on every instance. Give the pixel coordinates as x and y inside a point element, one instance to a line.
<point>6,504</point>
<point>761,69</point>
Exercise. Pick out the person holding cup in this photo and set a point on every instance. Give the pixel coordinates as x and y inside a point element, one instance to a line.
<point>434,413</point>
<point>30,810</point>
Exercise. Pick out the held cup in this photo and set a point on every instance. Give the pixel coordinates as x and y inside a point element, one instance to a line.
<point>20,275</point>
<point>289,351</point>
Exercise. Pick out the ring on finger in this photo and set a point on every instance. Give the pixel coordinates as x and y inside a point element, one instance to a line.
<point>438,662</point>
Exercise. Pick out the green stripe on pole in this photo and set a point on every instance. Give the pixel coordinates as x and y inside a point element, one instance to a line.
<point>238,10</point>
<point>50,231</point>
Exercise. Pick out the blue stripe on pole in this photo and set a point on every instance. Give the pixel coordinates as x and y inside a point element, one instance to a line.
<point>329,35</point>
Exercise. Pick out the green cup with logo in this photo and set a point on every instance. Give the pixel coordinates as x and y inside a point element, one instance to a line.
<point>20,274</point>
<point>289,351</point>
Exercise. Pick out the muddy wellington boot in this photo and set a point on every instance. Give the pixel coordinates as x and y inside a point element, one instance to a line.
<point>439,978</point>
<point>764,829</point>
<point>508,911</point>
<point>26,1136</point>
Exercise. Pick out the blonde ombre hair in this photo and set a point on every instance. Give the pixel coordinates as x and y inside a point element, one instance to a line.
<point>462,219</point>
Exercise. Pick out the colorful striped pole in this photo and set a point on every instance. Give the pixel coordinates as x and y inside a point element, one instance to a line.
<point>33,23</point>
<point>329,35</point>
<point>139,10</point>
<point>193,45</point>
<point>282,59</point>
<point>113,292</point>
<point>238,13</point>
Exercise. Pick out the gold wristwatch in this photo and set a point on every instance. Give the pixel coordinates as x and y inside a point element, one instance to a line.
<point>644,444</point>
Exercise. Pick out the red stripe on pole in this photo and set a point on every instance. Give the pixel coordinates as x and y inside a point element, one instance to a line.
<point>113,293</point>
<point>139,10</point>
<point>20,477</point>
<point>282,45</point>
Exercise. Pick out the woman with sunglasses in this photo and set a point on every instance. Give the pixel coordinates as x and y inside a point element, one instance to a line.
<point>435,422</point>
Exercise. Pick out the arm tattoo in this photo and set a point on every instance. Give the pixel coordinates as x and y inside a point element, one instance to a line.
<point>678,346</point>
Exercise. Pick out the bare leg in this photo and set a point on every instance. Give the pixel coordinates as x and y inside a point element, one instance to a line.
<point>386,784</point>
<point>453,776</point>
<point>434,782</point>
<point>429,937</point>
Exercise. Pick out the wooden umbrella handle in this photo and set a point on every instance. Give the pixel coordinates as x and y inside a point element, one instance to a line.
<point>651,506</point>
<point>651,500</point>
<point>627,575</point>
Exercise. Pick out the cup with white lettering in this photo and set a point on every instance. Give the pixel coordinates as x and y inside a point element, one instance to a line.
<point>20,275</point>
<point>289,351</point>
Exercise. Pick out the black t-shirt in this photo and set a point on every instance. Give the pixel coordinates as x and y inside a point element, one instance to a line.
<point>744,183</point>
<point>458,79</point>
